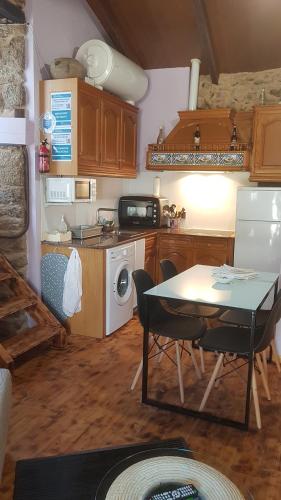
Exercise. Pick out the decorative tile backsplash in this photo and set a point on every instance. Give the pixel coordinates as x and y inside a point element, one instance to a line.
<point>219,159</point>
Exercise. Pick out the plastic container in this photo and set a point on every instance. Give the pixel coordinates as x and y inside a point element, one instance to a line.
<point>156,186</point>
<point>107,68</point>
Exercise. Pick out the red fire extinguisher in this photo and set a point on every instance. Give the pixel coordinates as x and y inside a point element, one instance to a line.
<point>44,157</point>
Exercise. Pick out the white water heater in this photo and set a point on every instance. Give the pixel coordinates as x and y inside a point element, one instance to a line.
<point>107,68</point>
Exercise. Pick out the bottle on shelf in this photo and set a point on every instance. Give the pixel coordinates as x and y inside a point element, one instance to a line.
<point>196,138</point>
<point>160,138</point>
<point>234,138</point>
<point>262,97</point>
<point>63,226</point>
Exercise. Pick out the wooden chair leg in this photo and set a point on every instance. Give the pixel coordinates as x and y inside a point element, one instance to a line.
<point>217,382</point>
<point>136,377</point>
<point>256,400</point>
<point>198,373</point>
<point>179,371</point>
<point>264,361</point>
<point>263,376</point>
<point>211,382</point>
<point>201,352</point>
<point>275,355</point>
<point>139,370</point>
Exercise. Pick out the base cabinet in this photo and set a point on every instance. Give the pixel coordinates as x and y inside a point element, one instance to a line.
<point>90,322</point>
<point>187,251</point>
<point>177,249</point>
<point>213,251</point>
<point>150,255</point>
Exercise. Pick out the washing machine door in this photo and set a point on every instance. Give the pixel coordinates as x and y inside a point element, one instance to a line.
<point>123,283</point>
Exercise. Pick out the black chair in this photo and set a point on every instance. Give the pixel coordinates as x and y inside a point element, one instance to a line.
<point>243,318</point>
<point>236,340</point>
<point>169,270</point>
<point>172,327</point>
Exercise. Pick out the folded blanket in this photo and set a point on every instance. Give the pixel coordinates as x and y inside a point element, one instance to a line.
<point>234,272</point>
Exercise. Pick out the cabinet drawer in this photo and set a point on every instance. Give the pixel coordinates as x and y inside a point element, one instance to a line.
<point>212,243</point>
<point>170,241</point>
<point>208,257</point>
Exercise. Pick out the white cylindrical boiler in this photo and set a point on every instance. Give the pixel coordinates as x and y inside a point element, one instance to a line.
<point>108,69</point>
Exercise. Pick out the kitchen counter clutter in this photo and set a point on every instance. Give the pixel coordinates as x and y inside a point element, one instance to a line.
<point>121,236</point>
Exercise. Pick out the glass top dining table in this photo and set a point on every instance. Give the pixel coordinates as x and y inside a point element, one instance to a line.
<point>198,285</point>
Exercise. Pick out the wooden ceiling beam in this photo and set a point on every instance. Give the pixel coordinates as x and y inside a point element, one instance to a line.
<point>106,18</point>
<point>205,38</point>
<point>11,12</point>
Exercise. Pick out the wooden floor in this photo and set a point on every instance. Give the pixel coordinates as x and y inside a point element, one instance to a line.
<point>79,399</point>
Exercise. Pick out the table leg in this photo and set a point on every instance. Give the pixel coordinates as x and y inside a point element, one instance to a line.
<point>145,349</point>
<point>250,369</point>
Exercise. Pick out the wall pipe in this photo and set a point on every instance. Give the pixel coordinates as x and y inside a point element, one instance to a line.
<point>193,84</point>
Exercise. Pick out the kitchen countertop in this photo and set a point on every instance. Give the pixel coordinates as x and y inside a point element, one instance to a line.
<point>126,235</point>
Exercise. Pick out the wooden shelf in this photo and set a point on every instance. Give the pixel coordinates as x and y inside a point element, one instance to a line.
<point>175,157</point>
<point>216,125</point>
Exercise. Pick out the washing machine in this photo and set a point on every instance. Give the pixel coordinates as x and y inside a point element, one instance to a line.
<point>120,263</point>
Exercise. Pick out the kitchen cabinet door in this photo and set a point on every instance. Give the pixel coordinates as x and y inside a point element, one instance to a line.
<point>266,155</point>
<point>111,134</point>
<point>89,131</point>
<point>213,251</point>
<point>129,142</point>
<point>150,256</point>
<point>178,250</point>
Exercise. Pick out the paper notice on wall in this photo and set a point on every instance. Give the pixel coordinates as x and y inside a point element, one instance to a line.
<point>61,135</point>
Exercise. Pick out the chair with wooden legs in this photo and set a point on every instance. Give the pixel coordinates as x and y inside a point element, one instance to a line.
<point>169,270</point>
<point>243,319</point>
<point>236,340</point>
<point>175,330</point>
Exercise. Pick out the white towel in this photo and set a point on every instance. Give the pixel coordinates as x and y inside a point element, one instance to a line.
<point>72,291</point>
<point>234,272</point>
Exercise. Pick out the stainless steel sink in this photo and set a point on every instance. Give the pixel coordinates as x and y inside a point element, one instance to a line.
<point>125,232</point>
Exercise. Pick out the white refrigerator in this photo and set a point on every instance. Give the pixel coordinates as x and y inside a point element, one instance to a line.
<point>258,233</point>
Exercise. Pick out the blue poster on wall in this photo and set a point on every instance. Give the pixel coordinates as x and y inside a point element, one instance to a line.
<point>61,135</point>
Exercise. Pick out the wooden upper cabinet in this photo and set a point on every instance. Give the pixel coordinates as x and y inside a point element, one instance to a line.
<point>129,140</point>
<point>89,130</point>
<point>266,156</point>
<point>103,130</point>
<point>111,131</point>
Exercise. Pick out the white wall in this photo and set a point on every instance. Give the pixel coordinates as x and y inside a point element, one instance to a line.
<point>56,28</point>
<point>210,199</point>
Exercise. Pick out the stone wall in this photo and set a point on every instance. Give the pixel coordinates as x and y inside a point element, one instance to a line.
<point>12,163</point>
<point>240,91</point>
<point>12,49</point>
<point>13,209</point>
<point>12,159</point>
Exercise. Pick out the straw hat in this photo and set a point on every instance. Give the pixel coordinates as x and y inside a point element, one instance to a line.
<point>137,480</point>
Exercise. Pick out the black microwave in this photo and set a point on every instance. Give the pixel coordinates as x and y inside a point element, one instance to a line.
<point>141,211</point>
